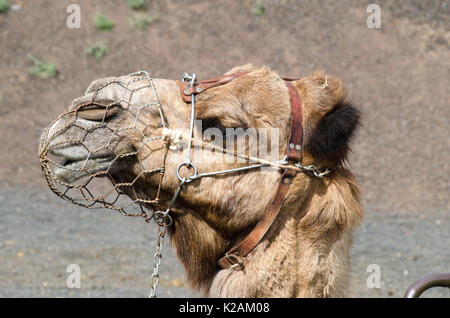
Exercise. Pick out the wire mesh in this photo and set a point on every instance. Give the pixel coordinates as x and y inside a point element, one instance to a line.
<point>89,180</point>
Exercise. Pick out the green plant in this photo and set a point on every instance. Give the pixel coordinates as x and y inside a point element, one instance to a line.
<point>102,23</point>
<point>137,4</point>
<point>98,50</point>
<point>141,21</point>
<point>259,8</point>
<point>42,69</point>
<point>5,5</point>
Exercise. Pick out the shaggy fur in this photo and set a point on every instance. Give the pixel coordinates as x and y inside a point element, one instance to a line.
<point>306,251</point>
<point>330,140</point>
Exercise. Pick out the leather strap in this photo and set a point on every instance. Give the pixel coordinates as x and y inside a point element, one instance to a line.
<point>199,87</point>
<point>234,257</point>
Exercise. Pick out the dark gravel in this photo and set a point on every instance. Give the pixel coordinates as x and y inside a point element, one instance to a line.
<point>41,235</point>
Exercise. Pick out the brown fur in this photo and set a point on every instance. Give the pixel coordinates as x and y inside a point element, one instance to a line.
<point>306,251</point>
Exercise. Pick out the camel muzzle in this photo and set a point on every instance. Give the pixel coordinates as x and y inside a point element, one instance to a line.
<point>80,161</point>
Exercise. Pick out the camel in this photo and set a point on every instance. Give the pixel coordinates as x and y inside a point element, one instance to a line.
<point>305,252</point>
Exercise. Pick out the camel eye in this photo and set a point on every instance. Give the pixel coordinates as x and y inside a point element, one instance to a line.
<point>97,112</point>
<point>208,123</point>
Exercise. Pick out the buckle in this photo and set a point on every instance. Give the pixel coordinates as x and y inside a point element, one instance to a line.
<point>191,79</point>
<point>236,260</point>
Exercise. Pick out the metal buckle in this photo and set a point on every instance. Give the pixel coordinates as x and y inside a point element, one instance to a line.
<point>235,260</point>
<point>189,78</point>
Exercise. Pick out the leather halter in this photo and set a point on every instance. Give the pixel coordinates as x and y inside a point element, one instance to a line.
<point>234,257</point>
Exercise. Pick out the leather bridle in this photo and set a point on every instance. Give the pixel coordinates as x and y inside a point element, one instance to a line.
<point>189,89</point>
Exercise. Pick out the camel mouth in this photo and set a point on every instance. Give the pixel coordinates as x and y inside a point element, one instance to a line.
<point>70,170</point>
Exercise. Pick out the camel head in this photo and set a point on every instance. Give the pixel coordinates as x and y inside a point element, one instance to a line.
<point>132,131</point>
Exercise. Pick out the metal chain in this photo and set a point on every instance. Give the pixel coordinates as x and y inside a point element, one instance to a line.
<point>163,219</point>
<point>157,260</point>
<point>313,170</point>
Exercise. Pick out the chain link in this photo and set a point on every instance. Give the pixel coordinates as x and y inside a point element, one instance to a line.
<point>163,219</point>
<point>313,170</point>
<point>157,258</point>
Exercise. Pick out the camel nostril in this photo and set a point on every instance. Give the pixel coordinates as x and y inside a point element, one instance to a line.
<point>97,112</point>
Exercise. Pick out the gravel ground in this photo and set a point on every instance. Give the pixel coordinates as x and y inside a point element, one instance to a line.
<point>41,235</point>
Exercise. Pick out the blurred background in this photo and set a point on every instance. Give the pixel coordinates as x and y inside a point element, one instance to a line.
<point>397,74</point>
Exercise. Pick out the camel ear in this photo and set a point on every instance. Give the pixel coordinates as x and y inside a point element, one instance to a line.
<point>330,138</point>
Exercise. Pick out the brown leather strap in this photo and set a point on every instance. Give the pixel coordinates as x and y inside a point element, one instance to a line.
<point>295,142</point>
<point>234,257</point>
<point>199,87</point>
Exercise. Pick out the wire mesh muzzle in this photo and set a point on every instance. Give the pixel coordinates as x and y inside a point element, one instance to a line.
<point>105,177</point>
